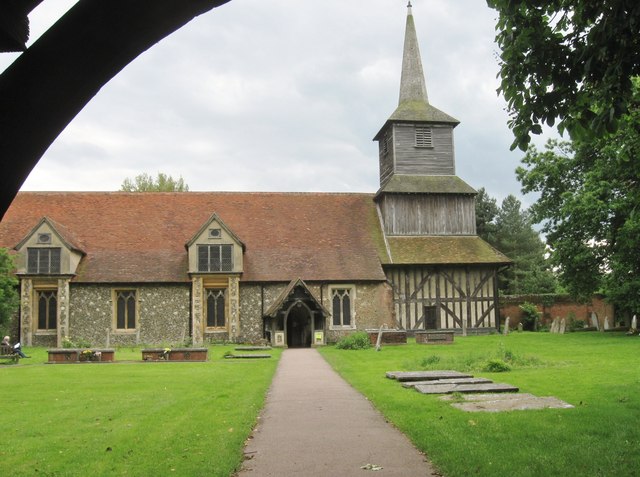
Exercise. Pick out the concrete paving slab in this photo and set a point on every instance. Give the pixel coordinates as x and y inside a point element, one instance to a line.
<point>315,424</point>
<point>466,388</point>
<point>508,402</point>
<point>412,384</point>
<point>425,375</point>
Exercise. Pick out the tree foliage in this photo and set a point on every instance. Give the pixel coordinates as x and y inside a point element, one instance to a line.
<point>510,229</point>
<point>590,207</point>
<point>9,297</point>
<point>146,183</point>
<point>570,61</point>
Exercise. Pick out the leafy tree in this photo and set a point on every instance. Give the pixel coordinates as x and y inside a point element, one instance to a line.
<point>590,209</point>
<point>510,230</point>
<point>146,183</point>
<point>9,297</point>
<point>567,60</point>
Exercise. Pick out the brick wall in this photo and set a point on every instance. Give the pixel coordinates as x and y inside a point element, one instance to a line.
<point>552,306</point>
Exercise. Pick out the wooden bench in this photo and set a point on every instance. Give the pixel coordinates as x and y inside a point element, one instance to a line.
<point>8,353</point>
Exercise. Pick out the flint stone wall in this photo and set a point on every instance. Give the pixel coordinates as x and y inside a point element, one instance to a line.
<point>373,305</point>
<point>163,315</point>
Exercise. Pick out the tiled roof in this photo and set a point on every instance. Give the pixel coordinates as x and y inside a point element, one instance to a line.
<point>437,250</point>
<point>141,237</point>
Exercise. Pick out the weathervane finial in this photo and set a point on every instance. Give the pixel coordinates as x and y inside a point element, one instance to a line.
<point>409,4</point>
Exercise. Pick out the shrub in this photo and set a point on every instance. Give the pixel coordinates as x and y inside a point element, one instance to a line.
<point>357,340</point>
<point>79,343</point>
<point>496,366</point>
<point>529,316</point>
<point>575,324</point>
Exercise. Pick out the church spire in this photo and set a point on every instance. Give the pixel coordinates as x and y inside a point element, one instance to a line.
<point>412,83</point>
<point>414,104</point>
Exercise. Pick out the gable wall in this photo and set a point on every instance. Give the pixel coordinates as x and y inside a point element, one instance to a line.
<point>69,259</point>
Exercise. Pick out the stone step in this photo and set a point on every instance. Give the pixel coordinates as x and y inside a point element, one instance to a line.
<point>411,384</point>
<point>466,388</point>
<point>425,375</point>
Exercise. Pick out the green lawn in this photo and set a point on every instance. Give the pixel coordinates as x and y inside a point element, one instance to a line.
<point>130,418</point>
<point>598,373</point>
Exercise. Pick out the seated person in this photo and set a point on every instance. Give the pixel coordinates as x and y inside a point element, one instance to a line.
<point>16,349</point>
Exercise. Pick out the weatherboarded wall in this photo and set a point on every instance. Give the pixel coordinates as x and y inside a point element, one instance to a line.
<point>432,214</point>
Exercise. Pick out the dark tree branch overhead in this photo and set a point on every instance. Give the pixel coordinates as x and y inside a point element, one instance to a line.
<point>50,83</point>
<point>567,63</point>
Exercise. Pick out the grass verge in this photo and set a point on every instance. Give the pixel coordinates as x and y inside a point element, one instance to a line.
<point>595,372</point>
<point>130,418</point>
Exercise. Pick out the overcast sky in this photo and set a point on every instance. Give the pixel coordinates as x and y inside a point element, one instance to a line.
<point>284,95</point>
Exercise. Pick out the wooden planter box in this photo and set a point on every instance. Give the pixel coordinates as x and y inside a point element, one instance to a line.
<point>434,337</point>
<point>175,354</point>
<point>389,337</point>
<point>76,355</point>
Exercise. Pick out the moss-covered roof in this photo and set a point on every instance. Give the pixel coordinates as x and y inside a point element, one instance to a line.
<point>437,250</point>
<point>416,184</point>
<point>421,111</point>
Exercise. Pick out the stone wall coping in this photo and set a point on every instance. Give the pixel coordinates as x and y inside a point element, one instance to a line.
<point>80,350</point>
<point>161,350</point>
<point>434,332</point>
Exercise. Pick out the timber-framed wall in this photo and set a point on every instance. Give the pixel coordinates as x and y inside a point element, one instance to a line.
<point>462,298</point>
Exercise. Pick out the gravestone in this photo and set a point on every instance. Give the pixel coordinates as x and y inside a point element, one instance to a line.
<point>634,324</point>
<point>555,325</point>
<point>520,327</point>
<point>606,323</point>
<point>505,330</point>
<point>563,326</point>
<point>594,320</point>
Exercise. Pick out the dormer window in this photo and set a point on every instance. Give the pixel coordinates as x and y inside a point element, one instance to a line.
<point>424,137</point>
<point>43,261</point>
<point>215,258</point>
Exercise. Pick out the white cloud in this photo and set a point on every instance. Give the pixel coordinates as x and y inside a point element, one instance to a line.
<point>284,95</point>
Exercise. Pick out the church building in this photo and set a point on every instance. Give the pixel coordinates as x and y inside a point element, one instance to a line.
<point>296,269</point>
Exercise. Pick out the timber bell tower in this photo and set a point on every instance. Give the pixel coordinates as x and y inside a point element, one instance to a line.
<point>420,193</point>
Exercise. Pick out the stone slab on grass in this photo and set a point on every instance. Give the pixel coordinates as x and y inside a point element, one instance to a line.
<point>252,348</point>
<point>248,356</point>
<point>506,402</point>
<point>466,388</point>
<point>411,384</point>
<point>425,375</point>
